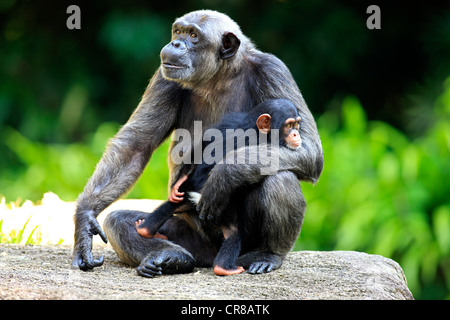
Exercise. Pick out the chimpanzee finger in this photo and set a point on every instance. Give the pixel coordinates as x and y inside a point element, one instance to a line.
<point>103,236</point>
<point>255,268</point>
<point>142,273</point>
<point>147,272</point>
<point>199,208</point>
<point>81,264</point>
<point>206,218</point>
<point>260,267</point>
<point>203,212</point>
<point>162,260</point>
<point>98,230</point>
<point>77,261</point>
<point>91,263</point>
<point>98,262</point>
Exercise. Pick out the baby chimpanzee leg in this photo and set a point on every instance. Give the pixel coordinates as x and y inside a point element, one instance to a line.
<point>225,261</point>
<point>151,256</point>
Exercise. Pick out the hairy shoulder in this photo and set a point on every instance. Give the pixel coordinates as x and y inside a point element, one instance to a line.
<point>271,78</point>
<point>266,63</point>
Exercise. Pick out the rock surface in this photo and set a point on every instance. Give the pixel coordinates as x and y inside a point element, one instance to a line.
<point>43,272</point>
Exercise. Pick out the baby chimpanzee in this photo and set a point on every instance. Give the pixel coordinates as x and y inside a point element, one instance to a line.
<point>256,127</point>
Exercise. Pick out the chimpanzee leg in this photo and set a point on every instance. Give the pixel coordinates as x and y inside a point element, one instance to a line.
<point>276,210</point>
<point>151,256</point>
<point>225,261</point>
<point>153,221</point>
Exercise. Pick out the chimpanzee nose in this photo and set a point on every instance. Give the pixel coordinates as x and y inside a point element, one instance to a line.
<point>178,44</point>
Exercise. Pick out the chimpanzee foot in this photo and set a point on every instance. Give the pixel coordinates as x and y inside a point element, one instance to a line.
<point>261,267</point>
<point>166,262</point>
<point>143,232</point>
<point>227,272</point>
<point>257,262</point>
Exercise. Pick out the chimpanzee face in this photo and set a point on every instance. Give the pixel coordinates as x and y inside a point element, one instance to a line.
<point>193,55</point>
<point>291,133</point>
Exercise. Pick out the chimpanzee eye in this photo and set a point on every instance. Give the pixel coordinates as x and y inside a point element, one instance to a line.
<point>177,31</point>
<point>193,35</point>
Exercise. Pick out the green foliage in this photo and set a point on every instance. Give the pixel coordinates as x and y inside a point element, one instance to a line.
<point>382,193</point>
<point>65,168</point>
<point>16,237</point>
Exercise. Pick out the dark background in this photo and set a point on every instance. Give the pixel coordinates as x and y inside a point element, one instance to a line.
<point>381,97</point>
<point>326,45</point>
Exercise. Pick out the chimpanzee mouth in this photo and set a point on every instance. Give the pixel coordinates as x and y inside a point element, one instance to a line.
<point>294,145</point>
<point>169,65</point>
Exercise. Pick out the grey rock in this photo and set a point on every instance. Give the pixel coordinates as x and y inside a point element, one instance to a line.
<point>43,272</point>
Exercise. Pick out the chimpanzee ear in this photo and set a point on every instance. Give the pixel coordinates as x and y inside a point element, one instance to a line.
<point>263,123</point>
<point>230,45</point>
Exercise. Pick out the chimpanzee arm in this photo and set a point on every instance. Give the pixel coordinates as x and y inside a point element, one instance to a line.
<point>272,80</point>
<point>122,163</point>
<point>225,179</point>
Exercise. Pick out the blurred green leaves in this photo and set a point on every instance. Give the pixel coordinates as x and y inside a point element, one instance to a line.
<point>58,167</point>
<point>383,193</point>
<point>65,168</point>
<point>134,36</point>
<point>385,186</point>
<point>380,192</point>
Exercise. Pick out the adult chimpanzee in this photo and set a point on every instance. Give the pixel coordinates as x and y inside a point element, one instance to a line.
<point>207,70</point>
<point>238,130</point>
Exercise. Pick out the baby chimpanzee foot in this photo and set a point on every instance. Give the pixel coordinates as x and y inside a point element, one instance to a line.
<point>143,232</point>
<point>225,272</point>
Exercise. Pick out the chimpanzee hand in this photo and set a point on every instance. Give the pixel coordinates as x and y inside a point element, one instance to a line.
<point>86,225</point>
<point>227,177</point>
<point>211,205</point>
<point>175,195</point>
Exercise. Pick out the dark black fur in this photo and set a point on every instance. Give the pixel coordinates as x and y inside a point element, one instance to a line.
<point>279,110</point>
<point>206,72</point>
